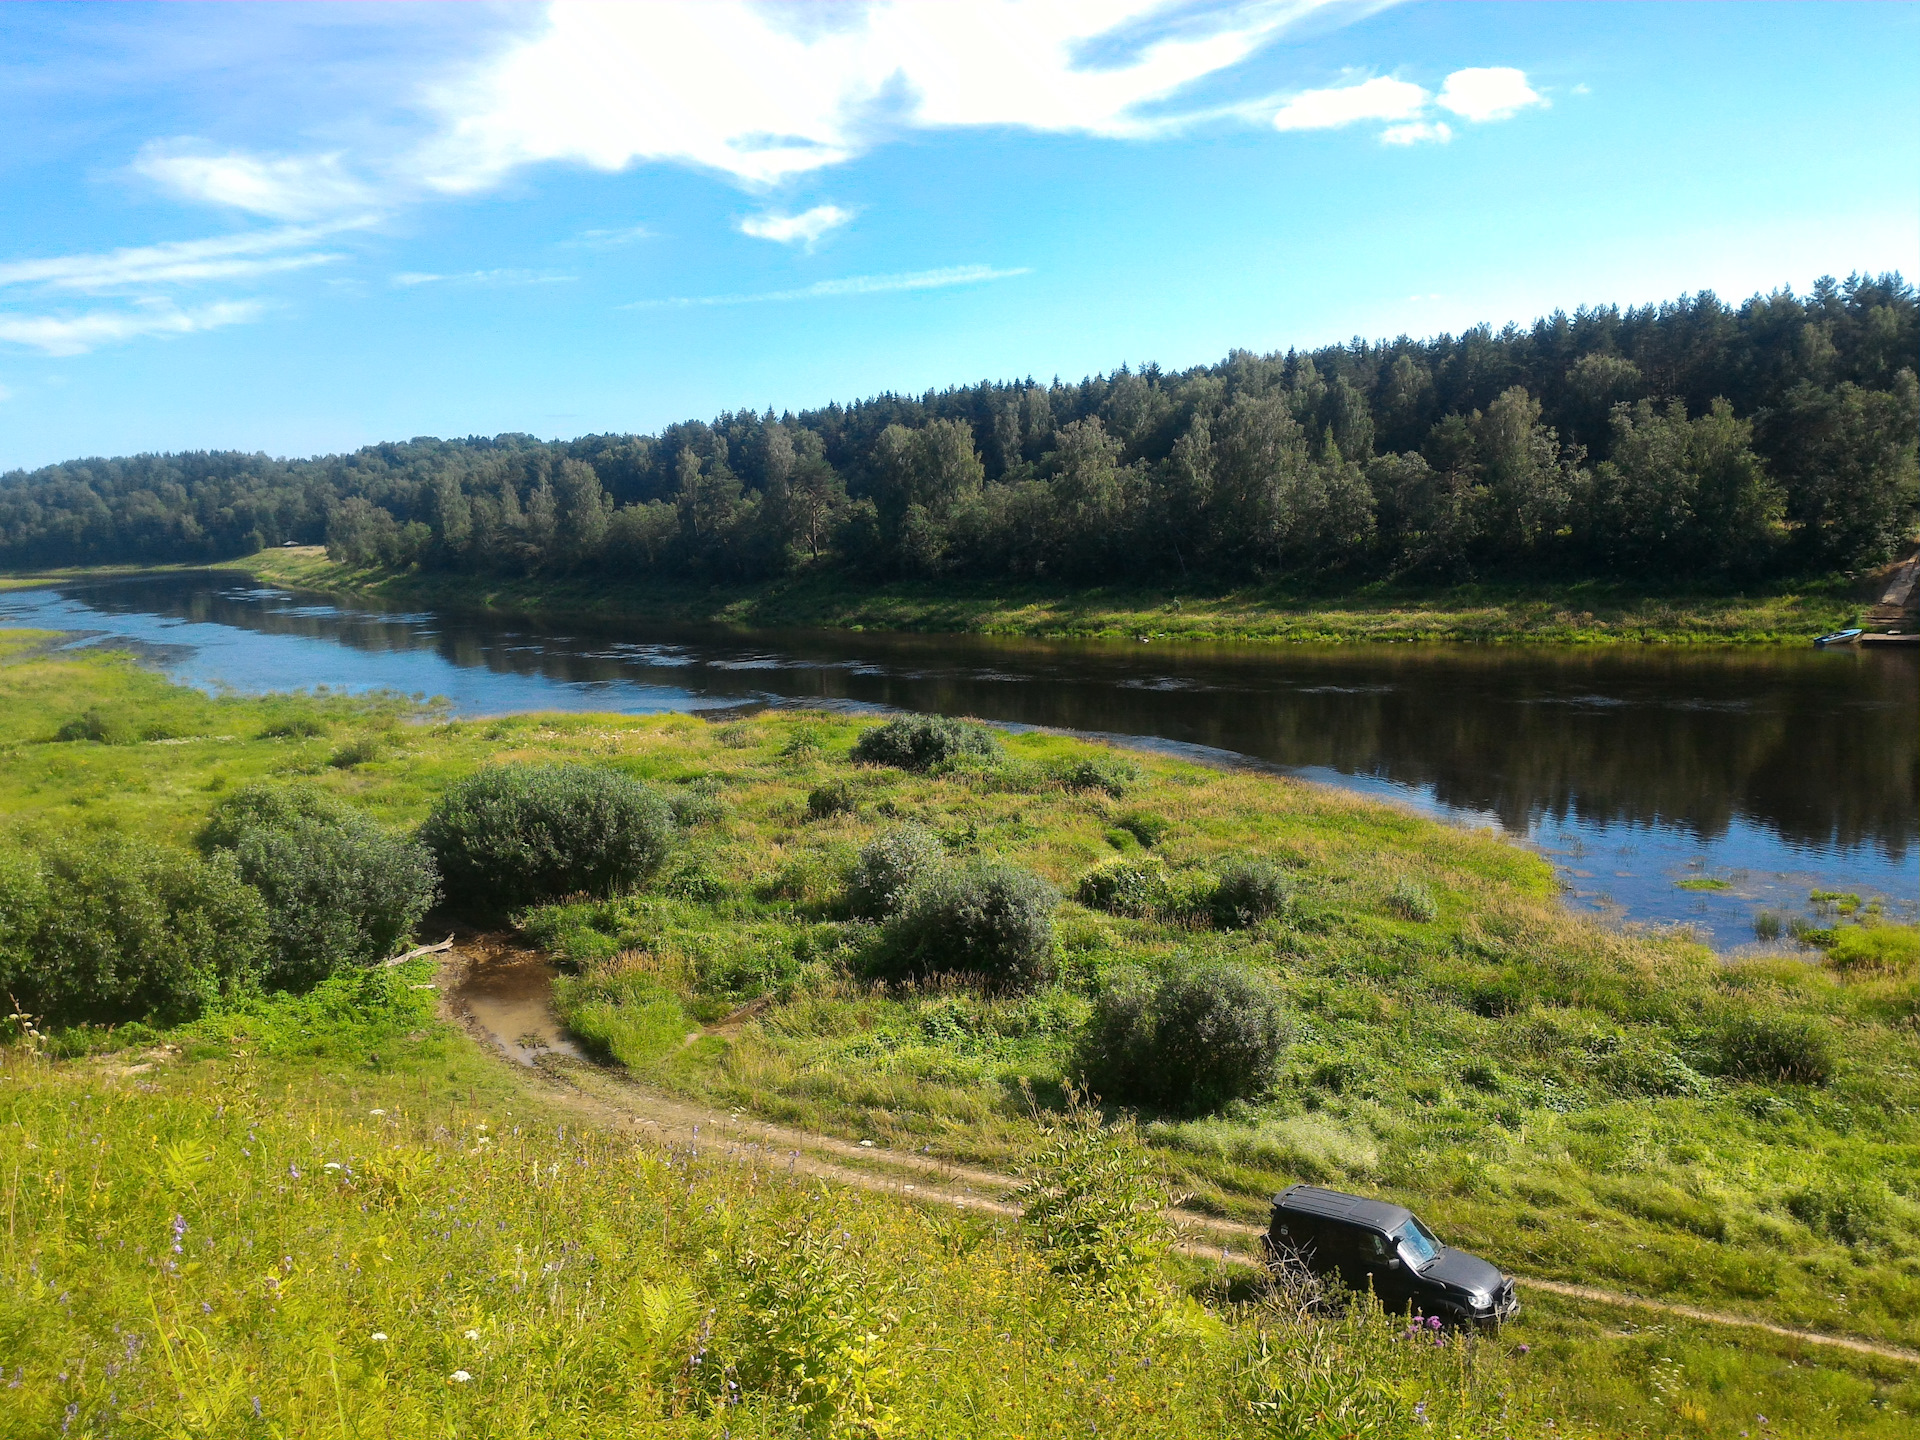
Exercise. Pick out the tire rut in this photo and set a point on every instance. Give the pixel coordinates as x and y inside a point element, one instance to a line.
<point>623,1105</point>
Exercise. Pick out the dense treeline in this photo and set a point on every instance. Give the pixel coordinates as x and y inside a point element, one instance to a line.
<point>1689,438</point>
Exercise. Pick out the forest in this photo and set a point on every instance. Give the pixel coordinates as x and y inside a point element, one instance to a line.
<point>1691,440</point>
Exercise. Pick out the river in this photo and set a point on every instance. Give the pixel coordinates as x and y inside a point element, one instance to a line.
<point>1635,769</point>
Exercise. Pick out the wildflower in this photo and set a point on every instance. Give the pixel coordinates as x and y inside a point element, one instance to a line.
<point>376,1112</point>
<point>1526,1349</point>
<point>294,1171</point>
<point>179,1232</point>
<point>379,1334</point>
<point>460,1377</point>
<point>256,1407</point>
<point>205,1308</point>
<point>473,1334</point>
<point>73,1412</point>
<point>1433,1323</point>
<point>331,1165</point>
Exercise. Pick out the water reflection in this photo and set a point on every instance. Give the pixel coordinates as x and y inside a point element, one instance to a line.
<point>1777,769</point>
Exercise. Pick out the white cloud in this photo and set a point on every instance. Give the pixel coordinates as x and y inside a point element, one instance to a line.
<point>1493,93</point>
<point>1381,99</point>
<point>806,227</point>
<point>764,93</point>
<point>850,285</point>
<point>295,187</point>
<point>5,394</point>
<point>176,262</point>
<point>410,278</point>
<point>77,334</point>
<point>607,239</point>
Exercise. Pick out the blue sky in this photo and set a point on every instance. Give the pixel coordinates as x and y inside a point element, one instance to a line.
<point>303,228</point>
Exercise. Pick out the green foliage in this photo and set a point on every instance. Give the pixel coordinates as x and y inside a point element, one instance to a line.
<point>1249,891</point>
<point>115,930</point>
<point>990,920</point>
<point>516,835</point>
<point>1145,826</point>
<point>888,867</point>
<point>927,743</point>
<point>1115,775</point>
<point>1765,1047</point>
<point>1124,886</point>
<point>340,891</point>
<point>813,1331</point>
<point>699,803</point>
<point>1094,1206</point>
<point>93,725</point>
<point>1411,900</point>
<point>1193,1038</point>
<point>1876,950</point>
<point>355,752</point>
<point>835,797</point>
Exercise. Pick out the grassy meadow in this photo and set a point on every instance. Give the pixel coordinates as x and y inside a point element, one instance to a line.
<point>1586,612</point>
<point>1575,1104</point>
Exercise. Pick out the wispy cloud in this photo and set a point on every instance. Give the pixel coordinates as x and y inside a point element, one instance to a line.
<point>1415,131</point>
<point>608,239</point>
<point>176,262</point>
<point>760,93</point>
<point>1478,95</point>
<point>77,334</point>
<point>851,285</point>
<point>805,228</point>
<point>406,279</point>
<point>1379,99</point>
<point>288,187</point>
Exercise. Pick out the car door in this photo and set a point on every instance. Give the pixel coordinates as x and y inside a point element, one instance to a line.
<point>1391,1282</point>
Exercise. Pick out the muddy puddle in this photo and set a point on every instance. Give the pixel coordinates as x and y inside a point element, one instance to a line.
<point>509,996</point>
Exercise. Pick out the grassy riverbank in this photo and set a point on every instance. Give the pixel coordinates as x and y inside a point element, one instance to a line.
<point>1582,613</point>
<point>1561,1098</point>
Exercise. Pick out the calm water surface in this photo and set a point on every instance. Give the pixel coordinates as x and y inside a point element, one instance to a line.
<point>1778,771</point>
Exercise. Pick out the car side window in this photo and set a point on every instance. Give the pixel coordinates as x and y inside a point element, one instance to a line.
<point>1374,1247</point>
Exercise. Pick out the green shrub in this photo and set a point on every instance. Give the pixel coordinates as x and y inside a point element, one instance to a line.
<point>1411,900</point>
<point>515,835</point>
<point>836,797</point>
<point>1787,1048</point>
<point>926,743</point>
<point>357,751</point>
<point>888,867</point>
<point>117,930</point>
<point>104,729</point>
<point>1125,887</point>
<point>1248,892</point>
<point>340,890</point>
<point>299,727</point>
<point>1853,1212</point>
<point>1876,950</point>
<point>1767,926</point>
<point>990,920</point>
<point>698,804</point>
<point>803,743</point>
<point>1193,1038</point>
<point>1144,826</point>
<point>1093,1204</point>
<point>1115,774</point>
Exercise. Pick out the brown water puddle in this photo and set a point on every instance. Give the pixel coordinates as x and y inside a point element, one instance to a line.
<point>509,995</point>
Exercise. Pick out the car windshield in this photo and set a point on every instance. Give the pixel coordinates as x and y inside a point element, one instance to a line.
<point>1419,1243</point>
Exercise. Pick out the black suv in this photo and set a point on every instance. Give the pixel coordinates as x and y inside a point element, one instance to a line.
<point>1372,1245</point>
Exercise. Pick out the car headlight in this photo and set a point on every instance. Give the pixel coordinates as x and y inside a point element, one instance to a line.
<point>1479,1299</point>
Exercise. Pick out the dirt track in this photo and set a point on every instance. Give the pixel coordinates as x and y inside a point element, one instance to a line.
<point>616,1103</point>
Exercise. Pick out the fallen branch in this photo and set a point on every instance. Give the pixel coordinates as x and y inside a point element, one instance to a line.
<point>418,951</point>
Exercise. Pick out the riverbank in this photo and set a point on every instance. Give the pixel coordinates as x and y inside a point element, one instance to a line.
<point>1585,613</point>
<point>1548,1093</point>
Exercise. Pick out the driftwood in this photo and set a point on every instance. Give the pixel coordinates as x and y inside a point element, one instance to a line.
<point>418,951</point>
